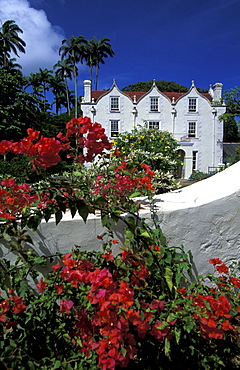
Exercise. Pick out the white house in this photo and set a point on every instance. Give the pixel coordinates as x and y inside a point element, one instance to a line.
<point>192,118</point>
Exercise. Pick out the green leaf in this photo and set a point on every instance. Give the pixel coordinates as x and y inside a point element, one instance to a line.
<point>172,316</point>
<point>145,234</point>
<point>83,211</point>
<point>57,364</point>
<point>123,351</point>
<point>168,276</point>
<point>167,349</point>
<point>58,216</point>
<point>100,200</point>
<point>177,333</point>
<point>39,259</point>
<point>136,194</point>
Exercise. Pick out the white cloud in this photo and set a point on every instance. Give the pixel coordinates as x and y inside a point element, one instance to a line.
<point>42,38</point>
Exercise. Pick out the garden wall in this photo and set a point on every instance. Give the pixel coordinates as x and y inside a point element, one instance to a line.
<point>204,217</point>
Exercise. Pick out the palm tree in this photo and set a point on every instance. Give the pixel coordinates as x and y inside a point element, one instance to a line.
<point>34,81</point>
<point>58,90</point>
<point>96,51</point>
<point>75,52</point>
<point>45,76</point>
<point>65,69</point>
<point>10,41</point>
<point>11,65</point>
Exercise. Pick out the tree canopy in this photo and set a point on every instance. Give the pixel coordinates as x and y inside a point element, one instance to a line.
<point>232,101</point>
<point>162,85</point>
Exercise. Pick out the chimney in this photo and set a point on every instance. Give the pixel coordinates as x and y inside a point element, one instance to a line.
<point>217,91</point>
<point>87,91</point>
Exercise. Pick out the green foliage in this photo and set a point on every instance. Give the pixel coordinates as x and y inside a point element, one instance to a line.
<point>198,175</point>
<point>18,108</point>
<point>235,158</point>
<point>232,100</point>
<point>162,85</point>
<point>39,332</point>
<point>17,167</point>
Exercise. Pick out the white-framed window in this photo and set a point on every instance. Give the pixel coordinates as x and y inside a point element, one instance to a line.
<point>154,106</point>
<point>114,103</point>
<point>192,129</point>
<point>114,127</point>
<point>192,104</point>
<point>153,125</point>
<point>194,160</point>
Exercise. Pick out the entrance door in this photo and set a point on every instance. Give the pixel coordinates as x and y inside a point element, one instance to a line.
<point>181,168</point>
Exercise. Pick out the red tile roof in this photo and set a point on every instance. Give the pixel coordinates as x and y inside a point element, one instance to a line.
<point>96,94</point>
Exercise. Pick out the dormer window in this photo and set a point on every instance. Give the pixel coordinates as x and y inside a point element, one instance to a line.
<point>114,104</point>
<point>192,104</point>
<point>154,104</point>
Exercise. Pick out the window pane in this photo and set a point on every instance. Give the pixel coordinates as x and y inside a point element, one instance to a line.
<point>154,104</point>
<point>153,125</point>
<point>191,129</point>
<point>114,103</point>
<point>194,161</point>
<point>114,128</point>
<point>192,105</point>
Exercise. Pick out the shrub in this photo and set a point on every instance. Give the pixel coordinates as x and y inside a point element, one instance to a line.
<point>156,148</point>
<point>135,310</point>
<point>140,309</point>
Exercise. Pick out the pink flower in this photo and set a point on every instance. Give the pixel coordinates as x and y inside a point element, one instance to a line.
<point>66,305</point>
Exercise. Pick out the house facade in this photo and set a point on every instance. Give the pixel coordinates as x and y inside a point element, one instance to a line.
<point>192,118</point>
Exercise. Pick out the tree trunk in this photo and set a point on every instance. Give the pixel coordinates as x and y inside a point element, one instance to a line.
<point>96,82</point>
<point>76,92</point>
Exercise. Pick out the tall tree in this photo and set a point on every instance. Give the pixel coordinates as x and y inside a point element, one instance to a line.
<point>11,64</point>
<point>10,41</point>
<point>65,69</point>
<point>34,81</point>
<point>45,76</point>
<point>232,101</point>
<point>96,52</point>
<point>58,90</point>
<point>74,50</point>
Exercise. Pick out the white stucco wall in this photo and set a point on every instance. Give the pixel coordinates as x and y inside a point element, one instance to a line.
<point>204,217</point>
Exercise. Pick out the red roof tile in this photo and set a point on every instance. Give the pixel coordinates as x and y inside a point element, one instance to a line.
<point>96,94</point>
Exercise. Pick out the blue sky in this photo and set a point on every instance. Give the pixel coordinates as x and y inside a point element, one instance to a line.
<point>177,40</point>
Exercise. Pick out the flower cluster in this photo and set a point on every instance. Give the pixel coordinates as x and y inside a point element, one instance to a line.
<point>42,151</point>
<point>14,305</point>
<point>14,198</point>
<point>111,320</point>
<point>124,180</point>
<point>88,135</point>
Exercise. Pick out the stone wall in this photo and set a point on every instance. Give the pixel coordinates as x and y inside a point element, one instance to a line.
<point>204,217</point>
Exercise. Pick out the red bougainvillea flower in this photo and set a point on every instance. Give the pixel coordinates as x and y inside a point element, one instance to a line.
<point>215,261</point>
<point>41,285</point>
<point>234,281</point>
<point>56,267</point>
<point>14,198</point>
<point>108,255</point>
<point>114,241</point>
<point>222,268</point>
<point>59,288</point>
<point>66,305</point>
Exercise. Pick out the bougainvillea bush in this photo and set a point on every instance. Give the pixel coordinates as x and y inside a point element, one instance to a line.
<point>140,309</point>
<point>156,148</point>
<point>97,311</point>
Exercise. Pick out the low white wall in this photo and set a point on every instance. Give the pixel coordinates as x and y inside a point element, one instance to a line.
<point>204,217</point>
